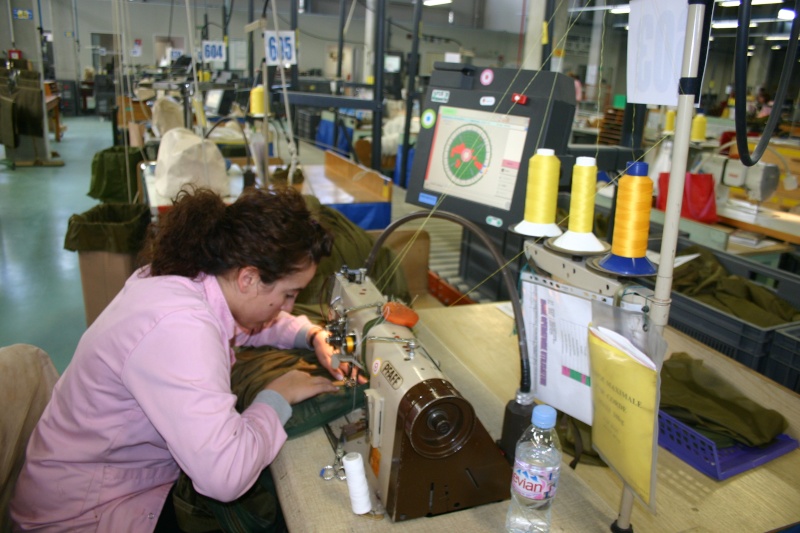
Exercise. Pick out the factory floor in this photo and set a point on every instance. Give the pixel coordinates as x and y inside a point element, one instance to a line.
<point>41,300</point>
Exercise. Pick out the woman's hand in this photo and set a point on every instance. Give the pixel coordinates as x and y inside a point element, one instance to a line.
<point>296,386</point>
<point>324,351</point>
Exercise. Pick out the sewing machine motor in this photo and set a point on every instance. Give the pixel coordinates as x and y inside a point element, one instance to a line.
<point>428,450</point>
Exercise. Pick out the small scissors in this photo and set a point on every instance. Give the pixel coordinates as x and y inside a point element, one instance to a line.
<point>336,470</point>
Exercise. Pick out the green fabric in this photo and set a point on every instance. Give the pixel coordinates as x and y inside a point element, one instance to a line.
<point>108,174</point>
<point>117,228</point>
<point>351,247</point>
<point>707,281</point>
<point>258,510</point>
<point>704,400</point>
<point>576,440</point>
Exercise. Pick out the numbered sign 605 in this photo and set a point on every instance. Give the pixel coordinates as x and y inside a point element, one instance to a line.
<point>280,48</point>
<point>214,51</point>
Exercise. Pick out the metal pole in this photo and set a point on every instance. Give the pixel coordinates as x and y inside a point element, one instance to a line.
<point>294,23</point>
<point>659,313</point>
<point>225,20</point>
<point>368,64</point>
<point>413,66</point>
<point>11,24</point>
<point>377,115</point>
<point>77,50</point>
<point>340,49</point>
<point>251,16</point>
<point>547,49</point>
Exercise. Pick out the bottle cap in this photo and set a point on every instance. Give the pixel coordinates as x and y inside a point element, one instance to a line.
<point>545,151</point>
<point>543,416</point>
<point>636,168</point>
<point>584,161</point>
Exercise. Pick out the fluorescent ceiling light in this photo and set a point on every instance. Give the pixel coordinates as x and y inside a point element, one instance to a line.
<point>737,3</point>
<point>436,2</point>
<point>786,14</point>
<point>751,47</point>
<point>620,10</point>
<point>725,25</point>
<point>776,38</point>
<point>729,24</point>
<point>776,47</point>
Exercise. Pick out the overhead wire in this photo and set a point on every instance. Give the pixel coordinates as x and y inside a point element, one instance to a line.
<point>740,83</point>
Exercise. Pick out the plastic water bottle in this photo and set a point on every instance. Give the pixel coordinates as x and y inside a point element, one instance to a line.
<point>537,465</point>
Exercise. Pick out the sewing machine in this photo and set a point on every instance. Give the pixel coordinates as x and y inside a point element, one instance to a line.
<point>429,452</point>
<point>759,181</point>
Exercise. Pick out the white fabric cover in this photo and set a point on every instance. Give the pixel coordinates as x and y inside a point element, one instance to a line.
<point>167,115</point>
<point>186,159</point>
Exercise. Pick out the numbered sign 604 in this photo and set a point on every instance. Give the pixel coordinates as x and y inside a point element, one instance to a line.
<point>280,48</point>
<point>214,51</point>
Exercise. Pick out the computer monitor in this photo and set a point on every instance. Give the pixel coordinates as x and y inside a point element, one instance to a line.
<point>393,63</point>
<point>213,101</point>
<point>479,128</point>
<point>218,102</point>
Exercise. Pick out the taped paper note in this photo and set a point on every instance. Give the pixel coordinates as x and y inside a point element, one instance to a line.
<point>656,30</point>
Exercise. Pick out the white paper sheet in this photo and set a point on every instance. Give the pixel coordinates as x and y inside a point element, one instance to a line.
<point>557,328</point>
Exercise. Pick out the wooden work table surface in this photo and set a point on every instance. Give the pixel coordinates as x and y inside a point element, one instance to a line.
<point>337,181</point>
<point>775,224</point>
<point>479,354</point>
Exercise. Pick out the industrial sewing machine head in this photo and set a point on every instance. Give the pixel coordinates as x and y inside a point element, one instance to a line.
<point>759,181</point>
<point>428,450</point>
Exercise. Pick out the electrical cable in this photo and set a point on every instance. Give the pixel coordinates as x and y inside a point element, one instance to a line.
<point>525,380</point>
<point>244,136</point>
<point>740,84</point>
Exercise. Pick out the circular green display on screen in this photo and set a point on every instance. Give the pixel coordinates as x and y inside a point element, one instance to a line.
<point>467,155</point>
<point>428,118</point>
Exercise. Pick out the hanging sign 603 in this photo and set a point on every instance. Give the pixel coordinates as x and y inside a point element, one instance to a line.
<point>214,51</point>
<point>280,48</point>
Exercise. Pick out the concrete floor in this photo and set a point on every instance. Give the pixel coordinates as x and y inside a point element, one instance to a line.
<point>41,301</point>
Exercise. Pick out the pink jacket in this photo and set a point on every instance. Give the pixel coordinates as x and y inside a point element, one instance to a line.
<point>148,392</point>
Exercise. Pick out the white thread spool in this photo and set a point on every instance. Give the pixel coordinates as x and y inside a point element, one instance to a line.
<point>357,483</point>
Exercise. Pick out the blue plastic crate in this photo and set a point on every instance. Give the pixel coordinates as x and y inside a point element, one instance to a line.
<point>702,453</point>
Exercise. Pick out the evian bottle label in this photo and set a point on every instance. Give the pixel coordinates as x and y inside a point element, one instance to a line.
<point>534,482</point>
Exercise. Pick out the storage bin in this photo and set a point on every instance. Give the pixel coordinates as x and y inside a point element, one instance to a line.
<point>747,343</point>
<point>702,453</point>
<point>783,363</point>
<point>107,238</point>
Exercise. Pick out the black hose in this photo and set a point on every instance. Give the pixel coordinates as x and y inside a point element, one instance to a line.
<point>740,85</point>
<point>249,160</point>
<point>525,370</point>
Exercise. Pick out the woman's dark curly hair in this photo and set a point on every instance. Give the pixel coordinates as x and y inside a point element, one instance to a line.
<point>271,230</point>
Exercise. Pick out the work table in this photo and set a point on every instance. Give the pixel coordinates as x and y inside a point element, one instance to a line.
<point>479,354</point>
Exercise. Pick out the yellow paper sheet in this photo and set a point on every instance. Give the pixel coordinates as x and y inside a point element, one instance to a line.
<point>624,393</point>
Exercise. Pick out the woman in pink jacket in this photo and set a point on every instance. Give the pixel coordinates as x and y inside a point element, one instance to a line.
<point>148,390</point>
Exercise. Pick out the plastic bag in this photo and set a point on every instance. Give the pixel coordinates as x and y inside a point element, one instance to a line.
<point>699,197</point>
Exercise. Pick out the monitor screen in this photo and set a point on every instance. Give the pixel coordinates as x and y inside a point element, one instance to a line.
<point>479,127</point>
<point>392,63</point>
<point>476,156</point>
<point>213,101</point>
